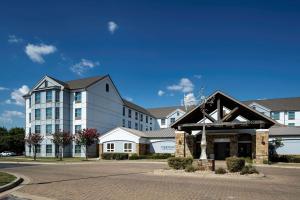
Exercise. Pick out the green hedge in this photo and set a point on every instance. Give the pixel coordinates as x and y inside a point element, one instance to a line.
<point>286,158</point>
<point>150,156</point>
<point>114,156</point>
<point>235,164</point>
<point>179,163</point>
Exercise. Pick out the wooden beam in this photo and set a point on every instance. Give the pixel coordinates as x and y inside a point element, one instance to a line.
<point>209,117</point>
<point>231,115</point>
<point>220,110</point>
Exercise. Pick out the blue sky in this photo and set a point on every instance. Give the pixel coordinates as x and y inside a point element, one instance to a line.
<point>249,49</point>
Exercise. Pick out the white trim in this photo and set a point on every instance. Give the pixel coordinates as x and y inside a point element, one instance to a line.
<point>262,130</point>
<point>219,140</point>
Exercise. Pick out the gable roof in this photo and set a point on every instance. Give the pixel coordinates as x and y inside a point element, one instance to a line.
<point>84,82</point>
<point>133,131</point>
<point>279,104</point>
<point>196,115</point>
<point>137,108</point>
<point>163,112</point>
<point>161,133</point>
<point>278,131</point>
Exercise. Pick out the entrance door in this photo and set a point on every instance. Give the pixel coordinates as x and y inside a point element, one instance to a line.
<point>244,150</point>
<point>222,150</point>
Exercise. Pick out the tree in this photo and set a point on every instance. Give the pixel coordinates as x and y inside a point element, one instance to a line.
<point>273,146</point>
<point>34,139</point>
<point>16,140</point>
<point>87,137</point>
<point>62,139</point>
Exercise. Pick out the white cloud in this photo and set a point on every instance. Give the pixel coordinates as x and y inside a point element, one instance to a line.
<point>129,99</point>
<point>83,66</point>
<point>36,52</point>
<point>112,27</point>
<point>160,93</point>
<point>16,97</point>
<point>190,99</point>
<point>198,76</point>
<point>14,39</point>
<point>185,86</point>
<point>3,88</point>
<point>9,115</point>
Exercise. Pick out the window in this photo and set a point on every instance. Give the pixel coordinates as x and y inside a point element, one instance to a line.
<point>129,124</point>
<point>147,119</point>
<point>178,113</point>
<point>275,115</point>
<point>49,148</point>
<point>29,147</point>
<point>136,126</point>
<point>141,117</point>
<point>57,129</point>
<point>29,130</point>
<point>150,120</point>
<point>48,96</point>
<point>38,148</point>
<point>291,115</point>
<point>150,128</point>
<point>77,128</point>
<point>146,128</point>
<point>129,113</point>
<point>48,129</point>
<point>163,121</point>
<point>37,114</point>
<point>57,96</point>
<point>77,113</point>
<point>127,147</point>
<point>48,113</point>
<point>77,97</point>
<point>77,149</point>
<point>172,120</point>
<point>46,83</point>
<point>123,111</point>
<point>107,87</point>
<point>291,124</point>
<point>37,129</point>
<point>56,113</point>
<point>141,127</point>
<point>37,98</point>
<point>29,117</point>
<point>136,116</point>
<point>110,147</point>
<point>29,102</point>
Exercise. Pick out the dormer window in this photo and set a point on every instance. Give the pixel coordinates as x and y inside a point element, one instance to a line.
<point>107,87</point>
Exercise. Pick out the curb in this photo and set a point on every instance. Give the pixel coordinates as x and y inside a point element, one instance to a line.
<point>11,185</point>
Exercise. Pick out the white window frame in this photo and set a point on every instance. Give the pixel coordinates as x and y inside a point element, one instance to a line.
<point>127,150</point>
<point>110,149</point>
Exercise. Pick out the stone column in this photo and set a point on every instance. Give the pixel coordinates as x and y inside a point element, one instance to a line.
<point>100,148</point>
<point>141,149</point>
<point>233,145</point>
<point>262,145</point>
<point>184,144</point>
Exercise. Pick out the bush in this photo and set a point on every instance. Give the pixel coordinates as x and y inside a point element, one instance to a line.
<point>285,158</point>
<point>159,156</point>
<point>249,169</point>
<point>134,157</point>
<point>179,163</point>
<point>248,160</point>
<point>190,168</point>
<point>220,170</point>
<point>114,156</point>
<point>235,164</point>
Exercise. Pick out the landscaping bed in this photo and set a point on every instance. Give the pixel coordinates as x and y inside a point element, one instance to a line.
<point>6,178</point>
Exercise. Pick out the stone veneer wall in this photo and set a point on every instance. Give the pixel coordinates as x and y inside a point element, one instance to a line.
<point>141,149</point>
<point>233,143</point>
<point>184,144</point>
<point>262,146</point>
<point>100,148</point>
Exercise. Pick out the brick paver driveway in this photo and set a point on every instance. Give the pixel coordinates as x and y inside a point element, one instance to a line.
<point>123,180</point>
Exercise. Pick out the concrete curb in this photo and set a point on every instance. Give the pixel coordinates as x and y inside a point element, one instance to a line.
<point>11,185</point>
<point>277,166</point>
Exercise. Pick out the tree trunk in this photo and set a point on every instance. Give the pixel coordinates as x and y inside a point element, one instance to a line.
<point>60,152</point>
<point>34,153</point>
<point>86,152</point>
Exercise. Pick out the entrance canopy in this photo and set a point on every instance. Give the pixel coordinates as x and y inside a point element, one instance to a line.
<point>223,112</point>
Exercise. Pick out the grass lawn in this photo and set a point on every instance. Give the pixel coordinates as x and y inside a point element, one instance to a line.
<point>6,178</point>
<point>29,159</point>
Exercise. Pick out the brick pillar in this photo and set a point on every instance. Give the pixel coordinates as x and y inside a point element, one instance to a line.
<point>100,148</point>
<point>262,145</point>
<point>137,148</point>
<point>184,144</point>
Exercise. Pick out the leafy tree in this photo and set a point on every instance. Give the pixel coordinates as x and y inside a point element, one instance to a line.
<point>62,139</point>
<point>87,137</point>
<point>34,139</point>
<point>16,140</point>
<point>273,146</point>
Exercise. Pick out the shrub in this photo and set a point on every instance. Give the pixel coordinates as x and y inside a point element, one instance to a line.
<point>235,164</point>
<point>249,169</point>
<point>134,157</point>
<point>285,158</point>
<point>179,163</point>
<point>220,170</point>
<point>190,168</point>
<point>159,156</point>
<point>248,160</point>
<point>114,156</point>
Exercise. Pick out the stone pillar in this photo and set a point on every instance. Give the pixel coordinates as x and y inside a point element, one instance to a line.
<point>100,148</point>
<point>233,145</point>
<point>253,148</point>
<point>141,149</point>
<point>184,144</point>
<point>262,145</point>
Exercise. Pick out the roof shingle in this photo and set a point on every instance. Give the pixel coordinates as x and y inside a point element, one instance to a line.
<point>280,104</point>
